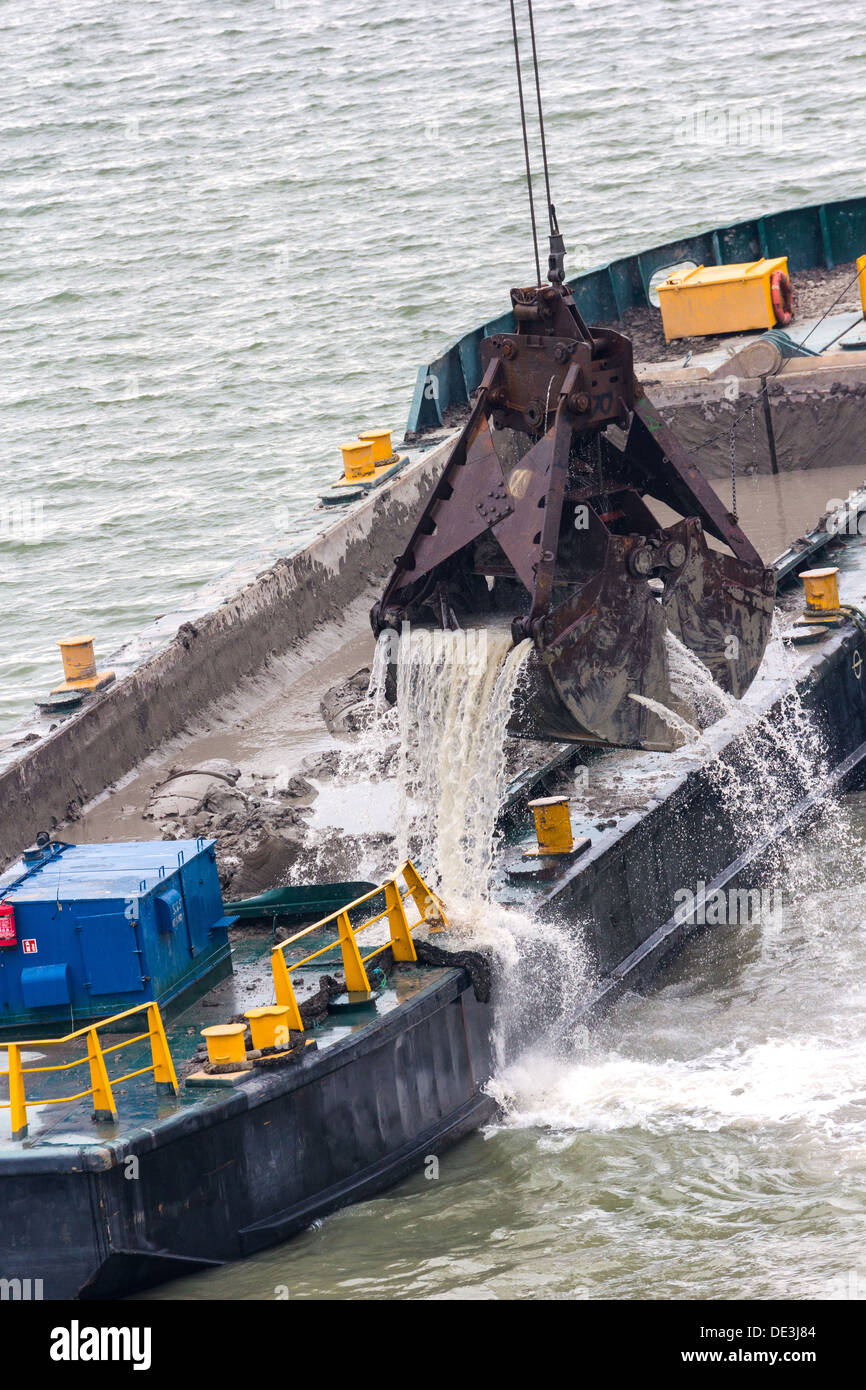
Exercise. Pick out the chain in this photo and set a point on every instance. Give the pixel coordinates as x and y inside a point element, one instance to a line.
<point>734,472</point>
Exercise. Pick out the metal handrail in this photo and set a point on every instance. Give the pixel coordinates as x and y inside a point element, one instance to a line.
<point>104,1107</point>
<point>400,938</point>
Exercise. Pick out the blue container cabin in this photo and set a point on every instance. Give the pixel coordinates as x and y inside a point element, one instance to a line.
<point>99,928</point>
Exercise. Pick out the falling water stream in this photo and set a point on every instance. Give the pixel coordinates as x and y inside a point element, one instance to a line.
<point>454,697</point>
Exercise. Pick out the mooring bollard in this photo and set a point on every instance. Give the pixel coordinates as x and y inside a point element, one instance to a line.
<point>269,1026</point>
<point>381,442</point>
<point>79,667</point>
<point>552,824</point>
<point>358,459</point>
<point>79,663</point>
<point>822,590</point>
<point>225,1044</point>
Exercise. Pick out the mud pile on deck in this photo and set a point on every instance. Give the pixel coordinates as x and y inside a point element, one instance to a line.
<point>260,820</point>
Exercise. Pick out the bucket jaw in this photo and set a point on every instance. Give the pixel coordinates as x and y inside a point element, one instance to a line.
<point>541,515</point>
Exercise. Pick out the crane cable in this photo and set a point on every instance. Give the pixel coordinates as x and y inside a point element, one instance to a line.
<point>550,210</point>
<point>526,137</point>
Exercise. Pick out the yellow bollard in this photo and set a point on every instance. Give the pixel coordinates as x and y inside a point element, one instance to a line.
<point>552,824</point>
<point>358,459</point>
<point>225,1043</point>
<point>79,663</point>
<point>269,1026</point>
<point>79,666</point>
<point>381,442</point>
<point>861,267</point>
<point>822,590</point>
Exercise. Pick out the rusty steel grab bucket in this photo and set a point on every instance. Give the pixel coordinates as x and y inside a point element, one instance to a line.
<point>539,514</point>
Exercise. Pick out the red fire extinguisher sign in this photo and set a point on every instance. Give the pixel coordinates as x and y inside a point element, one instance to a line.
<point>8,934</point>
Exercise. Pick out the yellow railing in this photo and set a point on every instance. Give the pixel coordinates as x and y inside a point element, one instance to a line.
<point>400,938</point>
<point>104,1107</point>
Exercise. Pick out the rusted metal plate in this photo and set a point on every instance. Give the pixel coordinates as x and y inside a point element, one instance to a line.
<point>723,610</point>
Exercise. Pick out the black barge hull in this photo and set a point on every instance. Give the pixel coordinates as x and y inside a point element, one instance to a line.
<point>251,1166</point>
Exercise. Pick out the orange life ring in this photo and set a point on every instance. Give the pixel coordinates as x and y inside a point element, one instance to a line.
<point>783,298</point>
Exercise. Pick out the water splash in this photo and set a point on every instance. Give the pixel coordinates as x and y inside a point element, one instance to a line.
<point>769,760</point>
<point>693,685</point>
<point>674,721</point>
<point>447,737</point>
<point>779,757</point>
<point>774,1081</point>
<point>435,727</point>
<point>541,976</point>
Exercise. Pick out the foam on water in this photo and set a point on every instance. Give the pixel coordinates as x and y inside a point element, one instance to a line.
<point>782,1048</point>
<point>770,1082</point>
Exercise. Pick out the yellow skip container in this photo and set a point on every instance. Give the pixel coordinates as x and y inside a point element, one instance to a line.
<point>720,299</point>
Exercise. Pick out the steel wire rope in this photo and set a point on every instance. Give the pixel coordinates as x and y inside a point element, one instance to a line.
<point>525,142</point>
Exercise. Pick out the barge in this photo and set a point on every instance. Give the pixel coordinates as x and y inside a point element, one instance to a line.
<point>184,1168</point>
<point>312,1088</point>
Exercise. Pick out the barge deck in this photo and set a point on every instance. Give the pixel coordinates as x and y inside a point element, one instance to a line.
<point>238,1160</point>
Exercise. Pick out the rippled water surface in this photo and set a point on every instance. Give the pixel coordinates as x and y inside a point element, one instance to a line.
<point>230,233</point>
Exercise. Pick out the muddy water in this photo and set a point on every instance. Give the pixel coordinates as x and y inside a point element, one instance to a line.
<point>775,510</point>
<point>706,1142</point>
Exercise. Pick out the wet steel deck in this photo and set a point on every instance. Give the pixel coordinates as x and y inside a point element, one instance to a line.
<point>138,1103</point>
